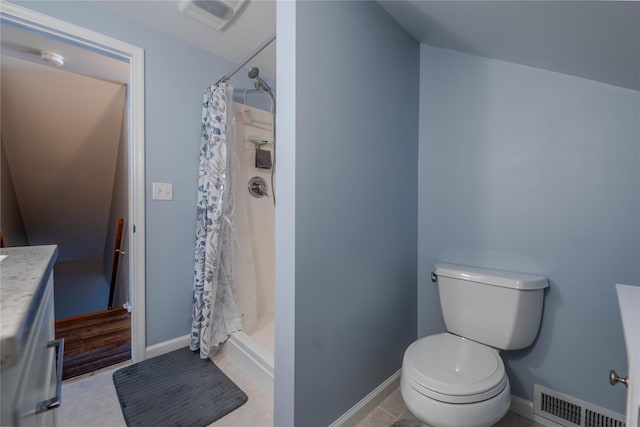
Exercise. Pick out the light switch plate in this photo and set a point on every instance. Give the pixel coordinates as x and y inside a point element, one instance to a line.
<point>162,191</point>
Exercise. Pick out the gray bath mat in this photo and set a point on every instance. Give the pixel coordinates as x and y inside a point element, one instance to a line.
<point>175,389</point>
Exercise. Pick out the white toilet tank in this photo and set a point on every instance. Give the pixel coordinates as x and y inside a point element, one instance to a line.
<point>497,308</point>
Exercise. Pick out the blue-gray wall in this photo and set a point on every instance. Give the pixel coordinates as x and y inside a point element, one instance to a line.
<point>518,169</point>
<point>356,171</point>
<point>176,75</point>
<point>528,170</point>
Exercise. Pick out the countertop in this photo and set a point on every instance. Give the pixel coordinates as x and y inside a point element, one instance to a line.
<point>24,274</point>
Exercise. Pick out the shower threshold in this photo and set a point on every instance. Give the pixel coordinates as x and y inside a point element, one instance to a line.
<point>252,357</point>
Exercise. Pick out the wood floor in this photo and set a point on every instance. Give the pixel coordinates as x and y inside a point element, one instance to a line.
<point>93,341</point>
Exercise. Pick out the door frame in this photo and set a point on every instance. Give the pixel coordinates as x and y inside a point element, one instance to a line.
<point>134,55</point>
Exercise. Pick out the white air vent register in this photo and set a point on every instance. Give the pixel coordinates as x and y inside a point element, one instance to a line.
<point>568,411</point>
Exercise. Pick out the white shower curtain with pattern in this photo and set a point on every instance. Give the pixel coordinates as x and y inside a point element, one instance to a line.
<point>215,308</point>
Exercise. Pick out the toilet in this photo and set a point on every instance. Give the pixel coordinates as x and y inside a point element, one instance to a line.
<point>457,379</point>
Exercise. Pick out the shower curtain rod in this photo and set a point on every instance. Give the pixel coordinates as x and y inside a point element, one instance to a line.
<point>248,58</point>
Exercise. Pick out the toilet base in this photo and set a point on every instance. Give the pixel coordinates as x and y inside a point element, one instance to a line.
<point>441,414</point>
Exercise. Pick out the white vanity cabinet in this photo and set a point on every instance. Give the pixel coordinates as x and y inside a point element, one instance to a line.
<point>30,375</point>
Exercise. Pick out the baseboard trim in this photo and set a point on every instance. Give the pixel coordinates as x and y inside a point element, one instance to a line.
<point>361,409</point>
<point>167,346</point>
<point>251,357</point>
<point>524,408</point>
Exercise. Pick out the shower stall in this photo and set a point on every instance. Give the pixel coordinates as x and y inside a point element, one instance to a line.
<point>253,347</point>
<point>234,283</point>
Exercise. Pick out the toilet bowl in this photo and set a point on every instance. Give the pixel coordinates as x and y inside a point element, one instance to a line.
<point>454,382</point>
<point>457,379</point>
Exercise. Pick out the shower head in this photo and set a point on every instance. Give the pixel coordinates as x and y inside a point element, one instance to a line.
<point>260,84</point>
<point>253,72</point>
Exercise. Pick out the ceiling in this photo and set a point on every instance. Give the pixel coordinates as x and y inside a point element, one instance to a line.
<point>253,25</point>
<point>597,40</point>
<point>27,45</point>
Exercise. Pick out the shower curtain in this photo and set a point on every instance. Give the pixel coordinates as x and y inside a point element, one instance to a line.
<point>215,309</point>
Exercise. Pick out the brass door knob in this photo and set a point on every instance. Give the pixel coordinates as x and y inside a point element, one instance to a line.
<point>614,378</point>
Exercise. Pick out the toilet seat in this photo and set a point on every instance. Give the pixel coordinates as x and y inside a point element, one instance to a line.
<point>452,369</point>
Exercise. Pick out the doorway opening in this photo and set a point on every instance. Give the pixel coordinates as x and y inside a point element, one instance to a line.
<point>72,150</point>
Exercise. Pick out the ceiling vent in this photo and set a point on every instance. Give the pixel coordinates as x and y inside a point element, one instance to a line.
<point>214,13</point>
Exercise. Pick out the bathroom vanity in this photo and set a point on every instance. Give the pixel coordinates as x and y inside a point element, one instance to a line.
<point>30,373</point>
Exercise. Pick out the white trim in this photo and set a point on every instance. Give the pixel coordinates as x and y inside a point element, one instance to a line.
<point>360,410</point>
<point>135,55</point>
<point>167,346</point>
<point>251,357</point>
<point>44,23</point>
<point>137,254</point>
<point>521,407</point>
<point>524,408</point>
<point>285,218</point>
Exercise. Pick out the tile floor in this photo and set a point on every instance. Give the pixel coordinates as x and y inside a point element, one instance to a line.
<point>90,400</point>
<point>393,410</point>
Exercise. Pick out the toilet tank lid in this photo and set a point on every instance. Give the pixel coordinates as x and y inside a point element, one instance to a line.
<point>505,279</point>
